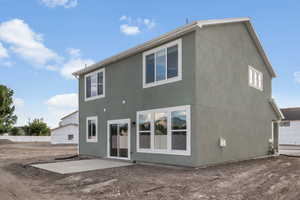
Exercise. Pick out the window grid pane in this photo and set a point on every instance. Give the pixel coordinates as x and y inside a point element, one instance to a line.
<point>88,86</point>
<point>160,130</point>
<point>145,140</point>
<point>179,139</point>
<point>150,62</point>
<point>100,83</point>
<point>160,57</point>
<point>172,61</point>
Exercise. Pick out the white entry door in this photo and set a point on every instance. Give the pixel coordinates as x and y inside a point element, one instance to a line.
<point>118,139</point>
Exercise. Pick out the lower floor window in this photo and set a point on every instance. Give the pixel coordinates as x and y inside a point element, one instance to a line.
<point>91,129</point>
<point>164,130</point>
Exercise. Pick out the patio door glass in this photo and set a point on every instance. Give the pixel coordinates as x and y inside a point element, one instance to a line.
<point>118,140</point>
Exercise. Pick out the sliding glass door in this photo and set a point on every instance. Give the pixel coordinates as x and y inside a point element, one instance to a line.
<point>118,138</point>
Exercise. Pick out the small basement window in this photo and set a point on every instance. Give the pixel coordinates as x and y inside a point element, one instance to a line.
<point>91,129</point>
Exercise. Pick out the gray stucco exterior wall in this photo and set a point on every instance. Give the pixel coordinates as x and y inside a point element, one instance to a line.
<point>214,82</point>
<point>124,82</point>
<point>226,106</point>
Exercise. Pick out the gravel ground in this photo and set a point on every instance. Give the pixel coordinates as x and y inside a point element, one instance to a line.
<point>272,178</point>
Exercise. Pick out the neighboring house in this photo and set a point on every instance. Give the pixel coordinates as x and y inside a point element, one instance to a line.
<point>67,132</point>
<point>289,131</point>
<point>198,95</point>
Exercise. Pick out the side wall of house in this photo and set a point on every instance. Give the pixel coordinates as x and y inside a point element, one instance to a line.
<point>124,81</point>
<point>226,106</point>
<point>291,134</point>
<point>60,135</point>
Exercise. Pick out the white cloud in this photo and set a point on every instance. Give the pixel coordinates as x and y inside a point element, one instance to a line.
<point>64,3</point>
<point>149,23</point>
<point>6,63</point>
<point>123,18</point>
<point>73,65</point>
<point>132,26</point>
<point>18,102</point>
<point>69,100</point>
<point>3,51</point>
<point>26,43</point>
<point>52,68</point>
<point>23,41</point>
<point>60,105</point>
<point>129,30</point>
<point>74,52</point>
<point>297,76</point>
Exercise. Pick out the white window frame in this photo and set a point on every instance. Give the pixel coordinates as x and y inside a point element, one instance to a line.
<point>254,80</point>
<point>119,121</point>
<point>98,96</point>
<point>87,129</point>
<point>177,42</point>
<point>169,150</point>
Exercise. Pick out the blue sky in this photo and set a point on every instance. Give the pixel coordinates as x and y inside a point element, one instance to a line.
<point>42,41</point>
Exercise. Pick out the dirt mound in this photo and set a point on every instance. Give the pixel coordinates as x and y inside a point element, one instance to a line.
<point>2,141</point>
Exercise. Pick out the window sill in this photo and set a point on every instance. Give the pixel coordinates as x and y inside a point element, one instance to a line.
<point>92,141</point>
<point>260,89</point>
<point>174,152</point>
<point>94,98</point>
<point>170,80</point>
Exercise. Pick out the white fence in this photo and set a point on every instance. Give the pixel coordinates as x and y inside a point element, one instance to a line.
<point>26,138</point>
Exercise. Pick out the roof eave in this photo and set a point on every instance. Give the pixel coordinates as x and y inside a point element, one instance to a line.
<point>150,44</point>
<point>177,33</point>
<point>276,109</point>
<point>260,49</point>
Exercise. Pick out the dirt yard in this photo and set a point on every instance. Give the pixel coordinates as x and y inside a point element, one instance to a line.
<point>273,178</point>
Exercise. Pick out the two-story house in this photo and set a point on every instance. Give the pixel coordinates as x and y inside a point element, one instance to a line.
<point>198,95</point>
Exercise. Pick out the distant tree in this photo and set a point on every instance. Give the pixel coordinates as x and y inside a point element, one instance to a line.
<point>37,128</point>
<point>15,131</point>
<point>7,117</point>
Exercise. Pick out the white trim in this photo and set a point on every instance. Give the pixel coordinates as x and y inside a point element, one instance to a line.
<point>98,96</point>
<point>276,109</point>
<point>258,81</point>
<point>119,121</point>
<point>177,42</point>
<point>168,110</point>
<point>87,129</point>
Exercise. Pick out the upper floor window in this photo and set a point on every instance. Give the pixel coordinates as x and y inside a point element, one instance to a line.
<point>162,64</point>
<point>255,78</point>
<point>95,85</point>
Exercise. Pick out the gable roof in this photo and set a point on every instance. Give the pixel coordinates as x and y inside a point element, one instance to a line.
<point>177,33</point>
<point>68,115</point>
<point>291,113</point>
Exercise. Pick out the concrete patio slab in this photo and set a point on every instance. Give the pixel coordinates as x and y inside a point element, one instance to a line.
<point>70,167</point>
